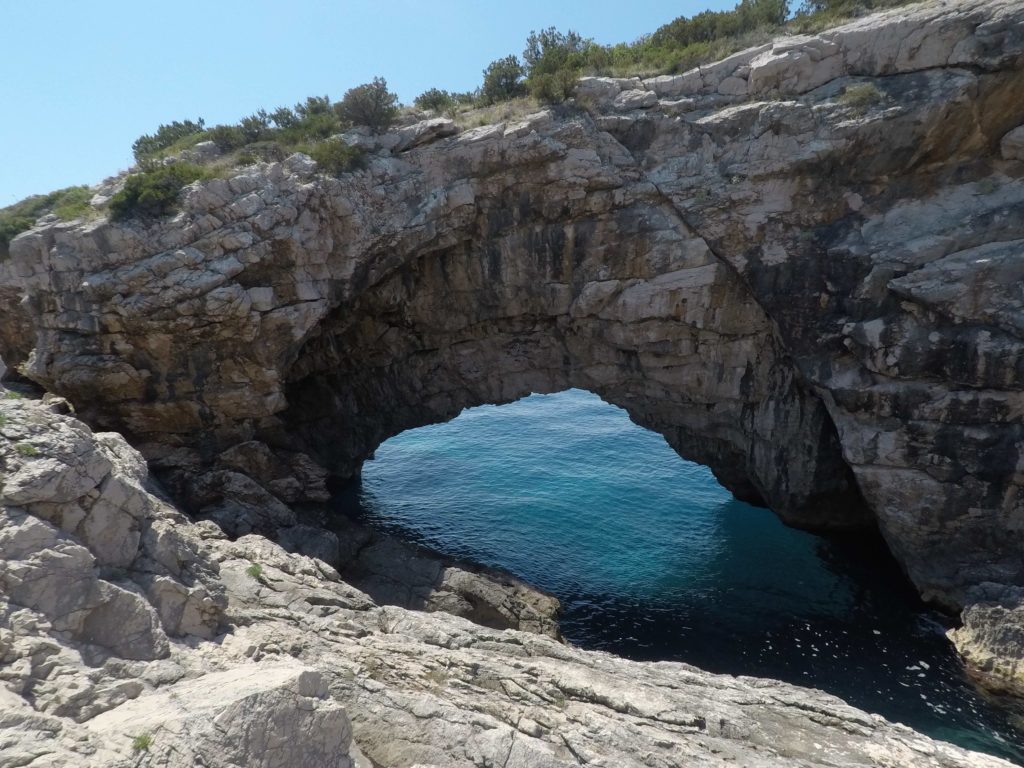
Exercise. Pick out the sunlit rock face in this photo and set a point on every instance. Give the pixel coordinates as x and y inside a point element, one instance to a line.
<point>801,265</point>
<point>133,635</point>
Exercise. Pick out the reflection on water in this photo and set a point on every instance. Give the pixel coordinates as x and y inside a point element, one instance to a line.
<point>652,559</point>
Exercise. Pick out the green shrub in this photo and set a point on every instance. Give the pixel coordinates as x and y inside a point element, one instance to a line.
<point>26,449</point>
<point>335,156</point>
<point>708,26</point>
<point>370,104</point>
<point>255,570</point>
<point>435,100</point>
<point>154,193</point>
<point>227,137</point>
<point>502,80</point>
<point>682,44</point>
<point>313,105</point>
<point>554,87</point>
<point>73,203</point>
<point>549,50</point>
<point>554,61</point>
<point>311,127</point>
<point>166,135</point>
<point>255,127</point>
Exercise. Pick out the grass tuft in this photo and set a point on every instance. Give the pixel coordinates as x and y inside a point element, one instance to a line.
<point>861,96</point>
<point>142,742</point>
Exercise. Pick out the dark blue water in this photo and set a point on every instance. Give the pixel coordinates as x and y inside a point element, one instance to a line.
<point>652,559</point>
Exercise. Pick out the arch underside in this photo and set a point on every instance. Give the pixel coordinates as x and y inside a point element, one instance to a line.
<point>655,324</point>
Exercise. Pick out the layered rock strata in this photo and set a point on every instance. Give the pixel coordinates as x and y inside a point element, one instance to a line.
<point>284,664</point>
<point>800,264</point>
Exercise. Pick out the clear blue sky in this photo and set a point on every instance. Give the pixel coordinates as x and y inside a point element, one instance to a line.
<point>82,80</point>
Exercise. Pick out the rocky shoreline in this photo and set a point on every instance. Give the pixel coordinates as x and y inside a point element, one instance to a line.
<point>131,635</point>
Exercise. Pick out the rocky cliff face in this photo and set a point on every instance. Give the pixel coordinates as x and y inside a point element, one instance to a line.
<point>132,636</point>
<point>801,265</point>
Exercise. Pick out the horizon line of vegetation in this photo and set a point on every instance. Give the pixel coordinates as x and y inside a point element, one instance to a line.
<point>551,65</point>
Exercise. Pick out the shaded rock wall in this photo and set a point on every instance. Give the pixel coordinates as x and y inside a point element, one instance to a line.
<point>799,264</point>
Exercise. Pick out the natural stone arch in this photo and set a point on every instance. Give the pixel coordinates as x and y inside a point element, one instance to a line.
<point>630,305</point>
<point>239,319</point>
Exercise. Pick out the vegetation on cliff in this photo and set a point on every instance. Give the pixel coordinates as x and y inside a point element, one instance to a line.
<point>552,61</point>
<point>308,128</point>
<point>154,192</point>
<point>65,204</point>
<point>313,120</point>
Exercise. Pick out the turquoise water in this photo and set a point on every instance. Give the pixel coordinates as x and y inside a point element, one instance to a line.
<point>652,559</point>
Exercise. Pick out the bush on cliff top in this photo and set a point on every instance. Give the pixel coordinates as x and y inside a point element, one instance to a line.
<point>165,136</point>
<point>262,135</point>
<point>552,63</point>
<point>436,100</point>
<point>553,60</point>
<point>154,192</point>
<point>502,81</point>
<point>68,203</point>
<point>334,156</point>
<point>370,104</point>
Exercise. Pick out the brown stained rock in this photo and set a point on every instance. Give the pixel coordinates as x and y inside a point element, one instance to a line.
<point>991,637</point>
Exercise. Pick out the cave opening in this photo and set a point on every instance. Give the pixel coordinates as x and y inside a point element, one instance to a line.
<point>653,559</point>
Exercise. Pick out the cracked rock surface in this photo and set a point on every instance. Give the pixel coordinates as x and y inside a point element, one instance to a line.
<point>287,666</point>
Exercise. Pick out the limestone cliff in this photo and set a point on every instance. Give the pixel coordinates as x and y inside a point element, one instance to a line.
<point>802,265</point>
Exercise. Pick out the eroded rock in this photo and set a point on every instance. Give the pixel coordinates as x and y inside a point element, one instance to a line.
<point>310,671</point>
<point>991,638</point>
<point>264,716</point>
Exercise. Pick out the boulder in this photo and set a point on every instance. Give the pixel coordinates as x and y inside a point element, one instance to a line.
<point>265,716</point>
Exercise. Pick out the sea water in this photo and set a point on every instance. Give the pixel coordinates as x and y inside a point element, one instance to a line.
<point>653,559</point>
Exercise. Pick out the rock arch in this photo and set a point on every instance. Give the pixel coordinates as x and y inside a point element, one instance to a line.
<point>789,284</point>
<point>627,303</point>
